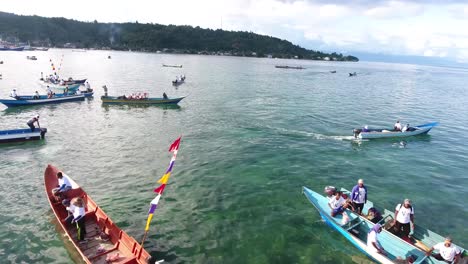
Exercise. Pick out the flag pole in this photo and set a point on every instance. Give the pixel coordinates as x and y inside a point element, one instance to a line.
<point>144,238</point>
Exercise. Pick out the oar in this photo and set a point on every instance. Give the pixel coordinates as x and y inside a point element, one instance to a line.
<point>417,242</point>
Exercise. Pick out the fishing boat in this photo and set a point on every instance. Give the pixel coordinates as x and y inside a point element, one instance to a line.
<point>356,230</point>
<point>53,100</point>
<point>289,67</point>
<point>352,74</point>
<point>57,88</point>
<point>179,80</point>
<point>173,66</point>
<point>390,133</point>
<point>142,101</point>
<point>71,81</point>
<point>33,97</point>
<point>31,57</point>
<point>17,135</point>
<point>104,239</point>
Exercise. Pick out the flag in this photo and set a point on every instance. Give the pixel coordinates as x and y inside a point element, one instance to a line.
<point>154,204</point>
<point>175,145</point>
<point>160,189</point>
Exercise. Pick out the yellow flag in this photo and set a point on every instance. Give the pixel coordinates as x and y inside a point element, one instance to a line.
<point>164,178</point>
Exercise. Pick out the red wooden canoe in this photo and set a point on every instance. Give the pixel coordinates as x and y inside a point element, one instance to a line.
<point>98,247</point>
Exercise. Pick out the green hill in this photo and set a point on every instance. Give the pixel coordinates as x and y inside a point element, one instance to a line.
<point>61,32</point>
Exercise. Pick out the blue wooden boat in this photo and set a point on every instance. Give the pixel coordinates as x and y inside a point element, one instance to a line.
<point>56,99</point>
<point>390,133</point>
<point>143,101</point>
<point>17,135</point>
<point>31,97</point>
<point>356,231</point>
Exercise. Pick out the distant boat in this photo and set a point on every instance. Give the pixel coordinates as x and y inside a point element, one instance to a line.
<point>11,48</point>
<point>78,50</point>
<point>143,101</point>
<point>289,67</point>
<point>41,49</point>
<point>357,228</point>
<point>105,241</point>
<point>332,71</point>
<point>179,80</point>
<point>54,100</point>
<point>31,97</point>
<point>174,66</point>
<point>31,57</point>
<point>390,133</point>
<point>351,74</point>
<point>17,135</point>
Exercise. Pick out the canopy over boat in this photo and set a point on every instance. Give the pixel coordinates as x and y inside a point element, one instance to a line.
<point>104,239</point>
<point>54,100</point>
<point>16,135</point>
<point>389,133</point>
<point>143,101</point>
<point>356,231</point>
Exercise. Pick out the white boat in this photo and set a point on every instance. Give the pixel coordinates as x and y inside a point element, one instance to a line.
<point>390,133</point>
<point>57,88</point>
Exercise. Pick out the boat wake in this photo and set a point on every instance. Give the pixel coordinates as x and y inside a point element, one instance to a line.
<point>317,136</point>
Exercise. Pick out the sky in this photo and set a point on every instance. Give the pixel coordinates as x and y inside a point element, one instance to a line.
<point>435,29</point>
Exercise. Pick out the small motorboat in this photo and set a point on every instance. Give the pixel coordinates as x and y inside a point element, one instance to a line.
<point>105,241</point>
<point>53,100</point>
<point>17,135</point>
<point>173,66</point>
<point>351,74</point>
<point>179,80</point>
<point>389,133</point>
<point>289,67</point>
<point>31,57</point>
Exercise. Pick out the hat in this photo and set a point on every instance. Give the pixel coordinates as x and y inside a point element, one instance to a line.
<point>407,201</point>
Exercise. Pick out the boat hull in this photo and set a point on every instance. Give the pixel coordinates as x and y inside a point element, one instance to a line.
<point>97,223</point>
<point>148,101</point>
<point>55,100</point>
<point>60,88</point>
<point>19,135</point>
<point>356,232</point>
<point>377,133</point>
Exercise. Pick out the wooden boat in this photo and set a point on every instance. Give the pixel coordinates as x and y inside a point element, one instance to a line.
<point>57,88</point>
<point>356,231</point>
<point>98,225</point>
<point>31,97</point>
<point>54,100</point>
<point>144,101</point>
<point>17,135</point>
<point>173,66</point>
<point>31,57</point>
<point>390,133</point>
<point>289,67</point>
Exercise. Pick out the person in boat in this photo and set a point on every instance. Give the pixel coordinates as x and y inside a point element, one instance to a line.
<point>404,219</point>
<point>88,87</point>
<point>77,92</point>
<point>32,121</point>
<point>397,126</point>
<point>49,92</point>
<point>447,251</point>
<point>373,240</point>
<point>36,95</point>
<point>374,215</point>
<point>165,96</point>
<point>14,94</point>
<point>337,204</point>
<point>359,196</point>
<point>405,128</point>
<point>70,209</point>
<point>64,185</point>
<point>65,91</point>
<point>105,90</point>
<point>79,218</point>
<point>365,129</point>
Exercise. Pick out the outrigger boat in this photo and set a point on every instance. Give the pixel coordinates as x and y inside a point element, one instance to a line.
<point>105,241</point>
<point>389,133</point>
<point>17,135</point>
<point>357,228</point>
<point>53,100</point>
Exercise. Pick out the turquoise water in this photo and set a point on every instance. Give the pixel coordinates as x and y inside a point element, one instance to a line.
<point>253,135</point>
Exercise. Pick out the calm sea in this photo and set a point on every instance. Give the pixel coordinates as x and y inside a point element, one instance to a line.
<point>253,135</point>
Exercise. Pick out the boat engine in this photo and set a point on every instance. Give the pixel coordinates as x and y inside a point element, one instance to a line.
<point>43,131</point>
<point>356,132</point>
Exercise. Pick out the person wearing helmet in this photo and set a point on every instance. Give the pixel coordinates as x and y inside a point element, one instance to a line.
<point>32,121</point>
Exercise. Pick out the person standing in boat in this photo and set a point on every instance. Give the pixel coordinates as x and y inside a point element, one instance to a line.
<point>13,94</point>
<point>64,185</point>
<point>32,121</point>
<point>165,96</point>
<point>105,90</point>
<point>49,92</point>
<point>397,126</point>
<point>36,95</point>
<point>404,219</point>
<point>88,87</point>
<point>447,251</point>
<point>65,92</point>
<point>373,240</point>
<point>70,210</point>
<point>359,196</point>
<point>79,218</point>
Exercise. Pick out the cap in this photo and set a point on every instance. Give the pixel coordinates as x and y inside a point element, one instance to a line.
<point>360,181</point>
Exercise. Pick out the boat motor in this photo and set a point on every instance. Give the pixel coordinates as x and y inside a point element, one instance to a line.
<point>356,132</point>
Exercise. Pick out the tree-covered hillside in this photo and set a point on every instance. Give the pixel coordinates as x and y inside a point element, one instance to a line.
<point>61,32</point>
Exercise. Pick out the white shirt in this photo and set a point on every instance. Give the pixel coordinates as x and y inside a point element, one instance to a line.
<point>448,253</point>
<point>372,237</point>
<point>13,94</point>
<point>65,181</point>
<point>404,128</point>
<point>361,196</point>
<point>71,208</point>
<point>78,92</point>
<point>397,126</point>
<point>79,211</point>
<point>336,203</point>
<point>404,214</point>
<point>88,86</point>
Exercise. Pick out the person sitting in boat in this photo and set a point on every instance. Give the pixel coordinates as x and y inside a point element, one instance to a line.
<point>404,219</point>
<point>374,215</point>
<point>13,94</point>
<point>373,243</point>
<point>337,204</point>
<point>70,209</point>
<point>447,251</point>
<point>88,87</point>
<point>79,218</point>
<point>365,129</point>
<point>36,95</point>
<point>359,196</point>
<point>65,91</point>
<point>78,92</point>
<point>397,126</point>
<point>165,96</point>
<point>64,185</point>
<point>32,121</point>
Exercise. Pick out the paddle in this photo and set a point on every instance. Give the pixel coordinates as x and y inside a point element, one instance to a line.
<point>417,242</point>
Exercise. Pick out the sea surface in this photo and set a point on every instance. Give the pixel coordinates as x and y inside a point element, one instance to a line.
<point>252,136</point>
